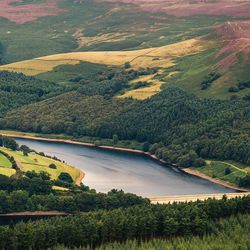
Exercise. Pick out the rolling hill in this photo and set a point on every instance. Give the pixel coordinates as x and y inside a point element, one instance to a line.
<point>162,57</point>
<point>64,35</point>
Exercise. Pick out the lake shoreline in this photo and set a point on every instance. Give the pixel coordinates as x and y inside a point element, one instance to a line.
<point>135,151</point>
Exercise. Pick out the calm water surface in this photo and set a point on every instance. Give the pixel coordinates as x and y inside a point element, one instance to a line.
<point>131,172</point>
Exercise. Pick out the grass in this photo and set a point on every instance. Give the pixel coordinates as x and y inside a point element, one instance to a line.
<point>90,26</point>
<point>6,166</point>
<point>87,26</point>
<point>40,163</point>
<point>65,73</point>
<point>4,161</point>
<point>216,169</point>
<point>63,67</point>
<point>194,68</point>
<point>153,57</point>
<point>60,188</point>
<point>7,171</point>
<point>155,81</point>
<point>144,92</point>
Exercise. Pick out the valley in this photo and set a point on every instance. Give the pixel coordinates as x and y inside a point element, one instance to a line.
<point>101,85</point>
<point>131,172</point>
<point>112,101</point>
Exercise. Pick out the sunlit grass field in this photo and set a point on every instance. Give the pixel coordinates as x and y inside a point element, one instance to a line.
<point>5,166</point>
<point>40,163</point>
<point>4,162</point>
<point>7,171</point>
<point>152,57</point>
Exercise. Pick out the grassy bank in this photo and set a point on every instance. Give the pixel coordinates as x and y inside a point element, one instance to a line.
<point>35,162</point>
<point>91,140</point>
<point>229,172</point>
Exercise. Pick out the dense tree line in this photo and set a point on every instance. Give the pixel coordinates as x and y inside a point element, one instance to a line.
<point>11,159</point>
<point>209,79</point>
<point>223,237</point>
<point>109,82</point>
<point>179,127</point>
<point>140,222</point>
<point>33,192</point>
<point>108,88</point>
<point>17,90</point>
<point>31,184</point>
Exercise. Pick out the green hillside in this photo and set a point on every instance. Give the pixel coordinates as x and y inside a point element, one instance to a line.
<point>39,163</point>
<point>213,129</point>
<point>17,160</point>
<point>103,26</point>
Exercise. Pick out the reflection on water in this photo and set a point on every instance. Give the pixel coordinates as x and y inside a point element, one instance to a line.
<point>133,173</point>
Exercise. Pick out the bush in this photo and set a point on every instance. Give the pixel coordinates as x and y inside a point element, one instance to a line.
<point>141,85</point>
<point>245,182</point>
<point>53,166</point>
<point>127,65</point>
<point>65,177</point>
<point>234,89</point>
<point>25,150</point>
<point>227,171</point>
<point>246,97</point>
<point>209,79</point>
<point>42,175</point>
<point>146,146</point>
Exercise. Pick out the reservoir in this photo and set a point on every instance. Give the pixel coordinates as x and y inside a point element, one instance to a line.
<point>134,173</point>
